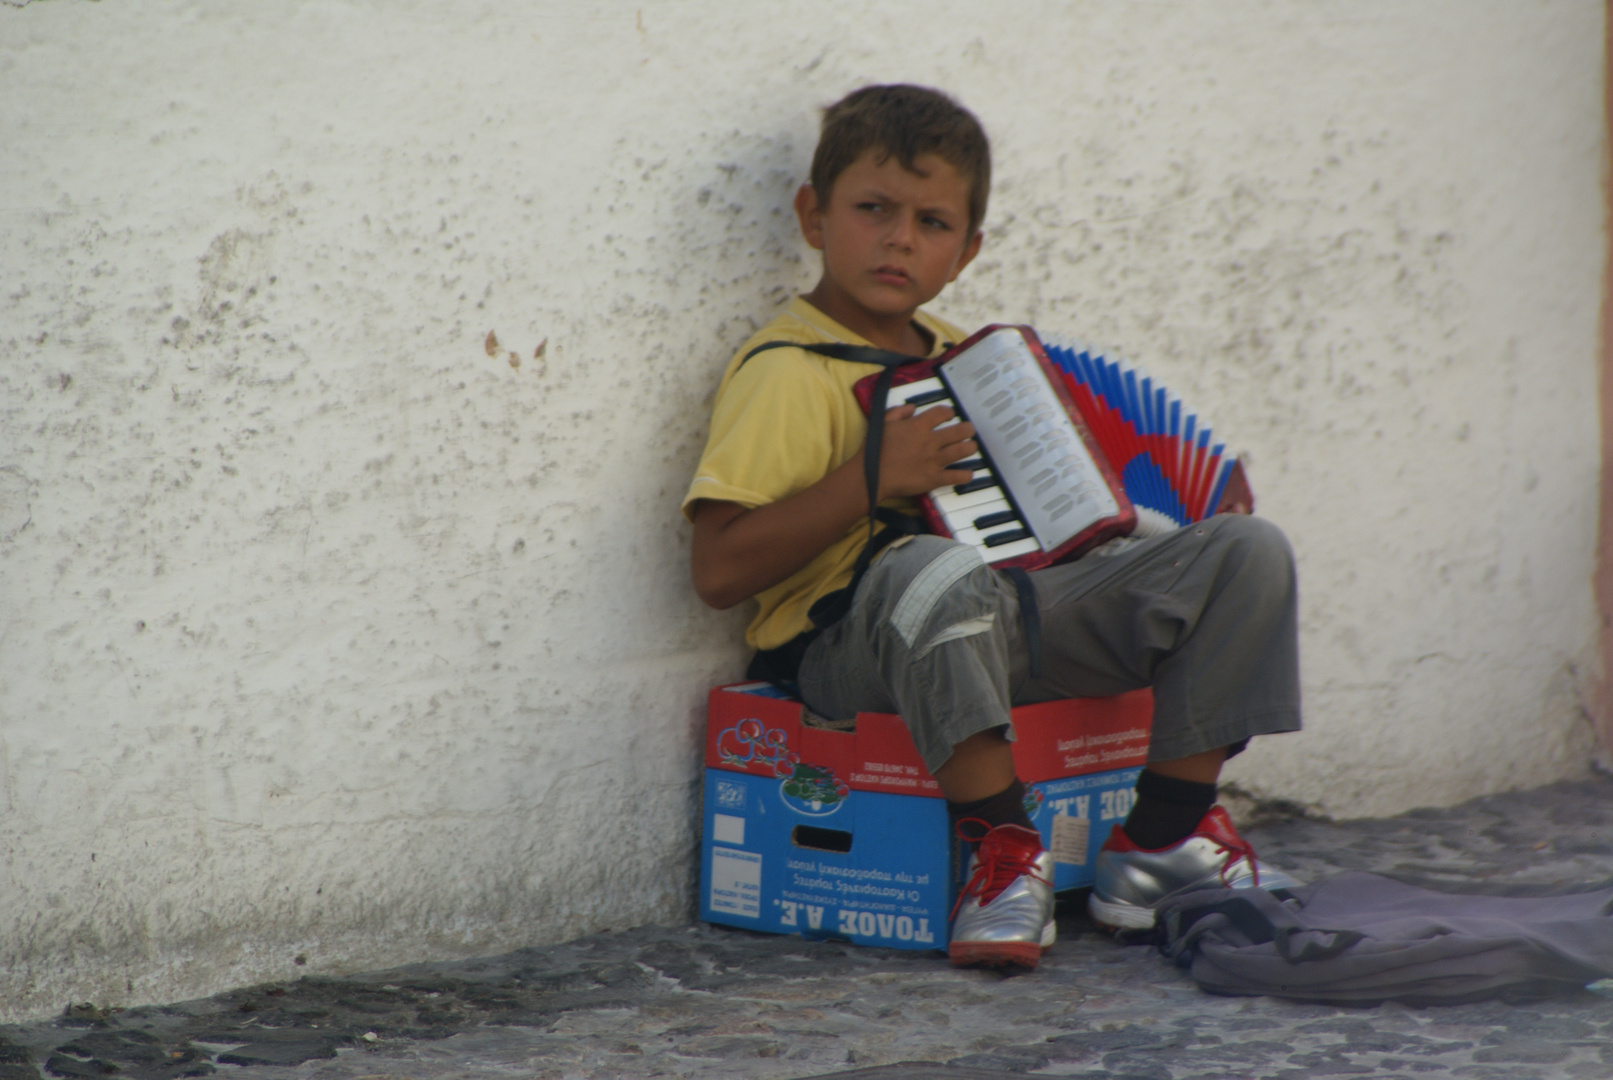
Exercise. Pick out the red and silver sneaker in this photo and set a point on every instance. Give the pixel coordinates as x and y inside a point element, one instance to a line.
<point>1129,881</point>
<point>1004,915</point>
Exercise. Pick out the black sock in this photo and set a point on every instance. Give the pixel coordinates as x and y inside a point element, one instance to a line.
<point>1167,810</point>
<point>1007,807</point>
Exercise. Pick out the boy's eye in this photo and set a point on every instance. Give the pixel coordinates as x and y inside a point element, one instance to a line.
<point>936,223</point>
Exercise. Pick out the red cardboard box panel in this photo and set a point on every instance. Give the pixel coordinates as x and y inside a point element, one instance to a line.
<point>1075,736</point>
<point>753,728</point>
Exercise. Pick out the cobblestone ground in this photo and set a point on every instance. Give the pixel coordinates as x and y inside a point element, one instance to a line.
<point>699,1001</point>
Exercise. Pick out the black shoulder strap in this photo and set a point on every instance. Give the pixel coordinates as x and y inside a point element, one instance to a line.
<point>840,350</point>
<point>1031,616</point>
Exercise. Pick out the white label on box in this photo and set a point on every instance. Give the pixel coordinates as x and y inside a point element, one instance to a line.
<point>736,882</point>
<point>1070,839</point>
<point>728,829</point>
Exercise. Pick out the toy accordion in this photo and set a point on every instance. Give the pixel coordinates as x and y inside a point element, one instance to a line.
<point>1075,449</point>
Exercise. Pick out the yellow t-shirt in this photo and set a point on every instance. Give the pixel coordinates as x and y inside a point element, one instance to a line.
<point>782,422</point>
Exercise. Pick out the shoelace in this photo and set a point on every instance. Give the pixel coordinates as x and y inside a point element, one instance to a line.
<point>1229,843</point>
<point>995,868</point>
<point>1235,849</point>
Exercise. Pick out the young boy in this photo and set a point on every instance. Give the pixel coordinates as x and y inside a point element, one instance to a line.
<point>1205,615</point>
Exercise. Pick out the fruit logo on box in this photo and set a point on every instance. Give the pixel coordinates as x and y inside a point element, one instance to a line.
<point>1033,800</point>
<point>813,789</point>
<point>748,742</point>
<point>806,789</point>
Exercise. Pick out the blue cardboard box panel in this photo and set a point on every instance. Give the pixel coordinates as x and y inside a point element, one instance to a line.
<point>871,867</point>
<point>1074,815</point>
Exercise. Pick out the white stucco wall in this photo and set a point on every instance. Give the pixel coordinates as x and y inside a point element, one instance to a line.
<point>327,637</point>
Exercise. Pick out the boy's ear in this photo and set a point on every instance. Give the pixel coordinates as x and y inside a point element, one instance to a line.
<point>810,216</point>
<point>970,250</point>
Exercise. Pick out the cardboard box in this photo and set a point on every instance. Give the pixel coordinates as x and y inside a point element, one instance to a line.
<point>844,833</point>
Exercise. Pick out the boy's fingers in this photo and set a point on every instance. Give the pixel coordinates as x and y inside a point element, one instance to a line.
<point>899,412</point>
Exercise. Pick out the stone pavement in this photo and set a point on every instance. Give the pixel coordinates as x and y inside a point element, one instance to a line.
<point>700,1001</point>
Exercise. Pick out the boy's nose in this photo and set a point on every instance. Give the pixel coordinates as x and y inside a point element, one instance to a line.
<point>902,231</point>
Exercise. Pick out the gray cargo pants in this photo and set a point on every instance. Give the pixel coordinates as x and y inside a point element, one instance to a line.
<point>1204,615</point>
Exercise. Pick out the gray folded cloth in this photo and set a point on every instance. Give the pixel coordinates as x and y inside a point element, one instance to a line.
<point>1359,939</point>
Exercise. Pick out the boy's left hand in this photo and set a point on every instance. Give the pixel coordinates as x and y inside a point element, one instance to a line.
<point>1237,497</point>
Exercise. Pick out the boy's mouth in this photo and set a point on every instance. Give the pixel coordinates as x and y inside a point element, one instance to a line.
<point>892,275</point>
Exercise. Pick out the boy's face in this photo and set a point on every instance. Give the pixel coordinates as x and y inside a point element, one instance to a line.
<point>891,239</point>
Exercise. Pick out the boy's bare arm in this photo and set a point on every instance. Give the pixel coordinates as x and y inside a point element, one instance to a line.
<point>737,553</point>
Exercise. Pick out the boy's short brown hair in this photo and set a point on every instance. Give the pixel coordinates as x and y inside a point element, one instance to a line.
<point>904,122</point>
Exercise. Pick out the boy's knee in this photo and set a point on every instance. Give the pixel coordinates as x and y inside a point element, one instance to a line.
<point>1256,547</point>
<point>945,593</point>
<point>1257,536</point>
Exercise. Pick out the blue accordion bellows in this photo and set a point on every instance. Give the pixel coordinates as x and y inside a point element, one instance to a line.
<point>1167,457</point>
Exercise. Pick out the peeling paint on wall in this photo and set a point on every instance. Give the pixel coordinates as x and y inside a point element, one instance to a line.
<point>354,359</point>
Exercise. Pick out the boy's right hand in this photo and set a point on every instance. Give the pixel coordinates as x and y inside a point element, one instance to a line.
<point>918,449</point>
